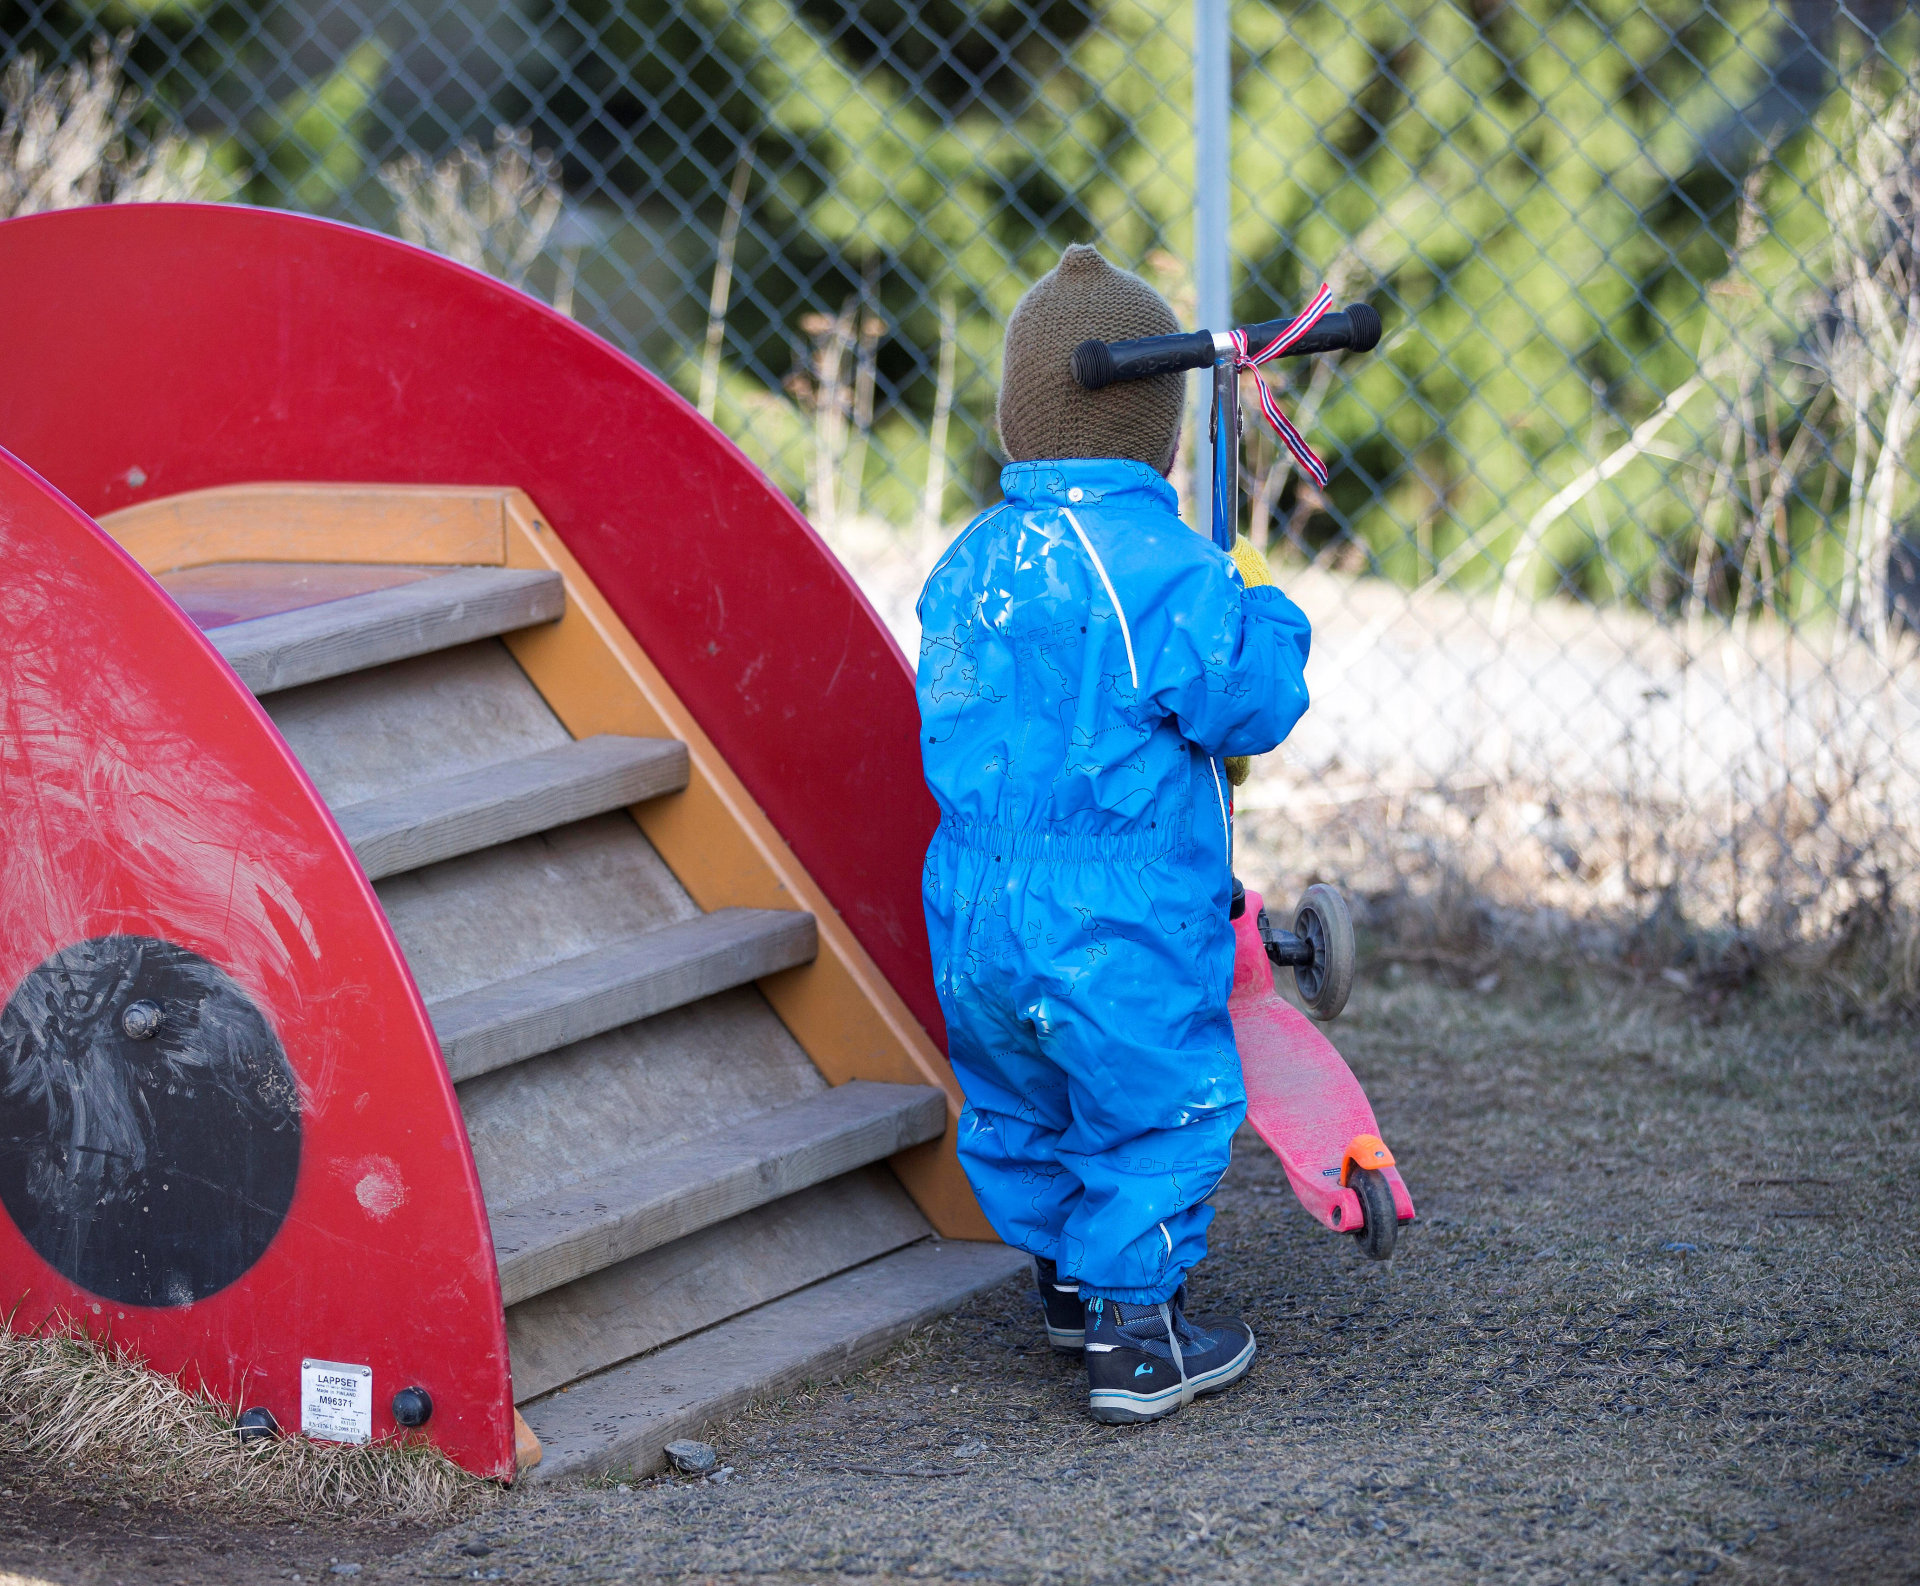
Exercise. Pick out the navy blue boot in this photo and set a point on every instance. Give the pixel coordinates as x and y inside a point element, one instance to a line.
<point>1146,1361</point>
<point>1060,1299</point>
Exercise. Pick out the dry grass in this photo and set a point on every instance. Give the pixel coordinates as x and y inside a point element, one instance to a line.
<point>1464,878</point>
<point>493,210</point>
<point>1874,966</point>
<point>81,1413</point>
<point>68,137</point>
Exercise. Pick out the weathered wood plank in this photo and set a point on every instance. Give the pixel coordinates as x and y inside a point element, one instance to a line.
<point>294,647</point>
<point>569,891</point>
<point>541,1126</point>
<point>664,1294</point>
<point>228,592</point>
<point>370,734</point>
<point>549,1008</point>
<point>625,1417</point>
<point>497,803</point>
<point>641,1205</point>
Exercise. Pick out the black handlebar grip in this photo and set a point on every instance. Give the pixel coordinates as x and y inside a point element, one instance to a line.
<point>1355,328</point>
<point>1093,365</point>
<point>1365,320</point>
<point>1101,363</point>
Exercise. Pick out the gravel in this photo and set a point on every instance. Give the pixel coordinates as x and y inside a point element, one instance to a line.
<point>1655,1324</point>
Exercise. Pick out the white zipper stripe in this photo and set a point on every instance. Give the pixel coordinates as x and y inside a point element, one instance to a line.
<point>1099,567</point>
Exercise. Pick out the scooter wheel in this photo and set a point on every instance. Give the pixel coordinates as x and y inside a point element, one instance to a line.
<point>1323,920</point>
<point>1380,1222</point>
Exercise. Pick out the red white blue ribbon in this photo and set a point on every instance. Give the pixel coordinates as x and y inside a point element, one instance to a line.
<point>1296,327</point>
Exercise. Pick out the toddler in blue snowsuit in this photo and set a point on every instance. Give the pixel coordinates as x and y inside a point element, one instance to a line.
<point>1086,663</point>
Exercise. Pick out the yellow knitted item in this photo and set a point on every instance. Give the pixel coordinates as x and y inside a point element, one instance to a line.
<point>1253,566</point>
<point>1253,571</point>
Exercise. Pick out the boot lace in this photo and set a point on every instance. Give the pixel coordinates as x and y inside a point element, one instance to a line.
<point>1181,1334</point>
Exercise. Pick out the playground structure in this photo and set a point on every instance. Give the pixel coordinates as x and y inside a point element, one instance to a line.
<point>461,951</point>
<point>461,928</point>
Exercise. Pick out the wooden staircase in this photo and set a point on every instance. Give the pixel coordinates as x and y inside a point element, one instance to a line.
<point>684,1212</point>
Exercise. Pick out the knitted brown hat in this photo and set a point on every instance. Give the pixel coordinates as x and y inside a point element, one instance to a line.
<point>1043,410</point>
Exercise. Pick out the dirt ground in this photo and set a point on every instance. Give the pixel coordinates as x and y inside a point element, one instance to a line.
<point>1656,1323</point>
<point>89,1536</point>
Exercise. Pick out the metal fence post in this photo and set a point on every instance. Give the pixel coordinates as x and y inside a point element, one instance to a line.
<point>1212,111</point>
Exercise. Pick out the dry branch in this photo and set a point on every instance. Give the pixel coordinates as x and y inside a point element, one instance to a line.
<point>723,285</point>
<point>493,211</point>
<point>68,137</point>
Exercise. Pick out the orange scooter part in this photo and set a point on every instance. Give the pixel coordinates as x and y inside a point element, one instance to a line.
<point>1364,1151</point>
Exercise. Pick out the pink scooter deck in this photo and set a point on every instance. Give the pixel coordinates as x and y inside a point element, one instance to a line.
<point>1302,1099</point>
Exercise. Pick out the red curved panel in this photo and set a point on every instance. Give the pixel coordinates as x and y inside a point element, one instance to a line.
<point>177,347</point>
<point>226,1135</point>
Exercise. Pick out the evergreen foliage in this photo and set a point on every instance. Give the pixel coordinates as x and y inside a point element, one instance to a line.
<point>1545,197</point>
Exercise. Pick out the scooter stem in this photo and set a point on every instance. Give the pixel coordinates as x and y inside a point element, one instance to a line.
<point>1225,431</point>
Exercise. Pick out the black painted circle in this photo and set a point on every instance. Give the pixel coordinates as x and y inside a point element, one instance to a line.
<point>149,1172</point>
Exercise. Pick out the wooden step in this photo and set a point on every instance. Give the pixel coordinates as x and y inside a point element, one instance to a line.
<point>621,1212</point>
<point>497,803</point>
<point>541,1126</point>
<point>549,1008</point>
<point>380,732</point>
<point>569,891</point>
<point>624,1418</point>
<point>350,635</point>
<point>663,1295</point>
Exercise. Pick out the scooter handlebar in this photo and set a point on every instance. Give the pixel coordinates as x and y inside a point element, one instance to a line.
<point>1355,328</point>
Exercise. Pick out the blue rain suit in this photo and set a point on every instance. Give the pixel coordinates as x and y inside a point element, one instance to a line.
<point>1086,660</point>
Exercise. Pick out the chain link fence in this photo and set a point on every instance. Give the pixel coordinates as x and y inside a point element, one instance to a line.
<point>1616,583</point>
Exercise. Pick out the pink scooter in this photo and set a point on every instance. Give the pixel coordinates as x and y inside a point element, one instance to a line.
<point>1302,1099</point>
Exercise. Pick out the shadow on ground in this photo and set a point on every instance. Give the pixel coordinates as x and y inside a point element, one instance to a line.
<point>1655,1324</point>
<point>88,1537</point>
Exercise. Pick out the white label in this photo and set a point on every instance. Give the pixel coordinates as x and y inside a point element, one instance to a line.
<point>336,1401</point>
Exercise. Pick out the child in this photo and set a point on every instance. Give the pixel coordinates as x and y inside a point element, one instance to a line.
<point>1087,662</point>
